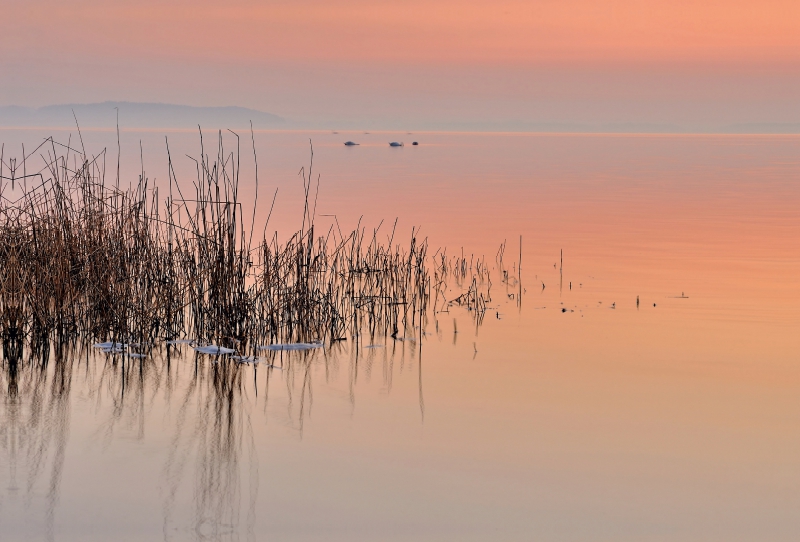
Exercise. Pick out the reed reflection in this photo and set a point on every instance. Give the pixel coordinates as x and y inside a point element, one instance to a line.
<point>208,409</point>
<point>212,445</point>
<point>34,428</point>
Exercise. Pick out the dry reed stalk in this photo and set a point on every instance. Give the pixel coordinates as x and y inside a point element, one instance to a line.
<point>81,260</point>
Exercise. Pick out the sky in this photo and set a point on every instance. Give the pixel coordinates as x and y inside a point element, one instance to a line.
<point>468,64</point>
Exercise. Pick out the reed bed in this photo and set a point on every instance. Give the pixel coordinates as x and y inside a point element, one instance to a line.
<point>85,259</point>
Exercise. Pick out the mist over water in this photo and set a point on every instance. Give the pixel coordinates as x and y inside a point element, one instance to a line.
<point>644,386</point>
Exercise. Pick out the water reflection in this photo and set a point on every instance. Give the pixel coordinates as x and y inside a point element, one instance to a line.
<point>686,413</point>
<point>213,432</point>
<point>206,409</point>
<point>34,428</point>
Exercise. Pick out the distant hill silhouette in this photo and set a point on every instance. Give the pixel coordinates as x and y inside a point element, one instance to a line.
<point>136,115</point>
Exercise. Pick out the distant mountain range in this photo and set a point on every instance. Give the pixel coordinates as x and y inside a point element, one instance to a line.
<point>136,115</point>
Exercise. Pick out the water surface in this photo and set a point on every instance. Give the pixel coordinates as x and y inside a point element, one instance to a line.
<point>674,419</point>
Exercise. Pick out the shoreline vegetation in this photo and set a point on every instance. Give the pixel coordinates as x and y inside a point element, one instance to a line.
<point>102,286</point>
<point>83,259</point>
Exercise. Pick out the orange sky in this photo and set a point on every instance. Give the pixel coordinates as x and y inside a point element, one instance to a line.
<point>161,51</point>
<point>420,31</point>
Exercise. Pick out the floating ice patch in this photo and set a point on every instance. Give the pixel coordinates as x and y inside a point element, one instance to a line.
<point>291,346</point>
<point>182,341</point>
<point>137,356</point>
<point>109,345</point>
<point>245,359</point>
<point>214,350</point>
<point>374,346</point>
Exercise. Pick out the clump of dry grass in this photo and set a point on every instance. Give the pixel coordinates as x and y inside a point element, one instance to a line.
<point>84,259</point>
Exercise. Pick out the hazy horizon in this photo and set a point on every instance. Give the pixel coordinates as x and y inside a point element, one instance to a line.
<point>696,66</point>
<point>142,115</point>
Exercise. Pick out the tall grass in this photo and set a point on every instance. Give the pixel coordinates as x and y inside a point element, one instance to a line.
<point>82,258</point>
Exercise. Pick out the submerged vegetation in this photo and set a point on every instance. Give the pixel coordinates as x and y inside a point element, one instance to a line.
<point>84,259</point>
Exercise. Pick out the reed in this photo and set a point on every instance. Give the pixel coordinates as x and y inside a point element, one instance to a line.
<point>83,259</point>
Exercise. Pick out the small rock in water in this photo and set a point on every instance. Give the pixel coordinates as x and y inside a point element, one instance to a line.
<point>415,143</point>
<point>395,144</point>
<point>350,143</point>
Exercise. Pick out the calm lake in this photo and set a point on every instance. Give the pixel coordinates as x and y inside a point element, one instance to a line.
<point>645,387</point>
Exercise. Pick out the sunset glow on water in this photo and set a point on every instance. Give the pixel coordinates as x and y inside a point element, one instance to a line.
<point>644,387</point>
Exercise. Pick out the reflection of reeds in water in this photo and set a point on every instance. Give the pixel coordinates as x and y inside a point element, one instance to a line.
<point>213,434</point>
<point>207,407</point>
<point>34,429</point>
<point>211,452</point>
